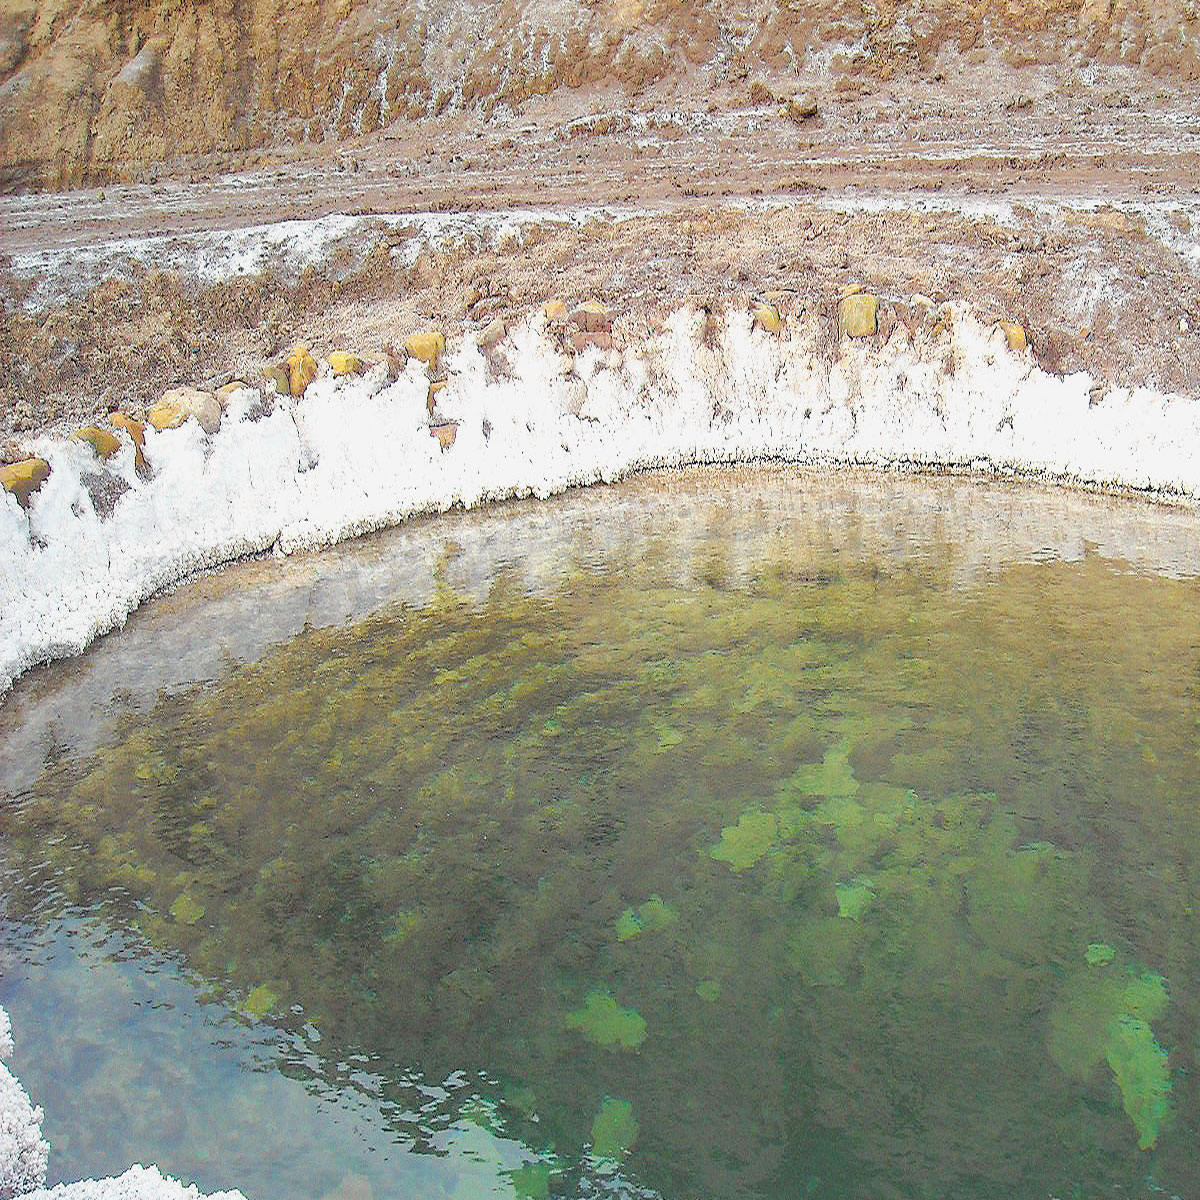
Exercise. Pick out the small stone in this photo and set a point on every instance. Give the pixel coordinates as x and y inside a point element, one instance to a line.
<point>767,316</point>
<point>1183,325</point>
<point>445,432</point>
<point>228,390</point>
<point>137,433</point>
<point>760,93</point>
<point>493,335</point>
<point>24,478</point>
<point>802,107</point>
<point>556,310</point>
<point>342,363</point>
<point>302,369</point>
<point>105,444</point>
<point>278,377</point>
<point>592,317</point>
<point>428,346</point>
<point>177,404</point>
<point>1017,341</point>
<point>859,314</point>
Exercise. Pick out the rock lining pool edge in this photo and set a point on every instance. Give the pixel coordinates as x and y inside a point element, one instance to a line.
<point>353,454</point>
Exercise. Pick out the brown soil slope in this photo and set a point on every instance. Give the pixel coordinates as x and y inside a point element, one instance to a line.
<point>93,90</point>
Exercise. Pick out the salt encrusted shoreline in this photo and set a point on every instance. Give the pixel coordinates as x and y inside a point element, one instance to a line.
<point>354,453</point>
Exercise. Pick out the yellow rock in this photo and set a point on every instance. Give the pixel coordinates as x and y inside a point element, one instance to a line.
<point>851,289</point>
<point>279,378</point>
<point>556,310</point>
<point>767,315</point>
<point>302,369</point>
<point>445,433</point>
<point>859,314</point>
<point>428,346</point>
<point>136,430</point>
<point>226,390</point>
<point>24,478</point>
<point>1017,341</point>
<point>177,404</point>
<point>104,443</point>
<point>342,363</point>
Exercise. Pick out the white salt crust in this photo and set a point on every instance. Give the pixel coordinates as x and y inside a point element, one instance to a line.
<point>354,455</point>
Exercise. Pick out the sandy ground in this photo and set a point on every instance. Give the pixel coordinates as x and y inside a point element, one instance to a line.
<point>1068,205</point>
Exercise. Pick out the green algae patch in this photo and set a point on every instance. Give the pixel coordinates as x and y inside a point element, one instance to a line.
<point>186,910</point>
<point>709,990</point>
<point>669,738</point>
<point>603,1021</point>
<point>1139,1065</point>
<point>854,898</point>
<point>260,1001</point>
<point>743,844</point>
<point>1106,1017</point>
<point>614,1129</point>
<point>655,914</point>
<point>532,1182</point>
<point>1099,954</point>
<point>832,776</point>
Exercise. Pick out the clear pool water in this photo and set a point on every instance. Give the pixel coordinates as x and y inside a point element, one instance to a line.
<point>758,834</point>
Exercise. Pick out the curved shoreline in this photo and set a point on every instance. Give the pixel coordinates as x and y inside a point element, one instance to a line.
<point>529,417</point>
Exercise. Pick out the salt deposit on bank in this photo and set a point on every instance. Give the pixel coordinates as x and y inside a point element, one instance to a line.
<point>535,414</point>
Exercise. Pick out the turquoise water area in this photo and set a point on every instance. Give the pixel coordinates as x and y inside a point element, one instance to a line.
<point>760,833</point>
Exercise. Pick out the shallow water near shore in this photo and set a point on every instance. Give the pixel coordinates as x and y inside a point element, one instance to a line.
<point>764,833</point>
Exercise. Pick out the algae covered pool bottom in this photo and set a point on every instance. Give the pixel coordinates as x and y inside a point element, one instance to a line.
<point>759,833</point>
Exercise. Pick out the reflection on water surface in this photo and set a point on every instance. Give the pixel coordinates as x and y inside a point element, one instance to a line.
<point>761,834</point>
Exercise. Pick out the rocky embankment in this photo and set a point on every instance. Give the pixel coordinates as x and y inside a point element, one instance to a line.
<point>91,91</point>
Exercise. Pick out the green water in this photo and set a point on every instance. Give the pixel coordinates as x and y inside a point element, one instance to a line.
<point>752,855</point>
